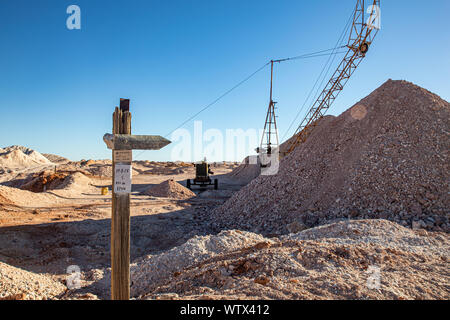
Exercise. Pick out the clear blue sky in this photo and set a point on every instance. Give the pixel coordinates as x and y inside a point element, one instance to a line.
<point>58,87</point>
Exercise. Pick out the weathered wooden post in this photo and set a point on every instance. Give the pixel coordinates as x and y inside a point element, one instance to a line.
<point>122,143</point>
<point>120,214</point>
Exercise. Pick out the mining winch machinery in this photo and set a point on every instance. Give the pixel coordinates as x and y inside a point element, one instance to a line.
<point>202,176</point>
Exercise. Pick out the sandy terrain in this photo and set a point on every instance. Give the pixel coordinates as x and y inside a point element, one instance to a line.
<point>43,233</point>
<point>360,211</point>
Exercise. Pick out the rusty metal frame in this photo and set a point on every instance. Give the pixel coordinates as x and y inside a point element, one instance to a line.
<point>270,126</point>
<point>361,35</point>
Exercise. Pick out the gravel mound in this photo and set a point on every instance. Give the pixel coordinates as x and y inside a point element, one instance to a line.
<point>366,259</point>
<point>148,273</point>
<point>321,122</point>
<point>100,169</point>
<point>48,180</point>
<point>18,284</point>
<point>170,189</point>
<point>380,233</point>
<point>72,180</point>
<point>21,157</point>
<point>386,157</point>
<point>55,158</point>
<point>25,198</point>
<point>248,170</point>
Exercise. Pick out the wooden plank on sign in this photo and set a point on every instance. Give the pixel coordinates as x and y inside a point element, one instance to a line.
<point>134,142</point>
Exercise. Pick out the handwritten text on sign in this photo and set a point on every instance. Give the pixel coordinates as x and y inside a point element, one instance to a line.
<point>123,155</point>
<point>122,178</point>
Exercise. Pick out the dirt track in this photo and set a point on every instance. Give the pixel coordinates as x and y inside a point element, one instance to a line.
<point>47,232</point>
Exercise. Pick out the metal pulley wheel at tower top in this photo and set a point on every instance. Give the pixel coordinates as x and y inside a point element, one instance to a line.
<point>363,48</point>
<point>362,35</point>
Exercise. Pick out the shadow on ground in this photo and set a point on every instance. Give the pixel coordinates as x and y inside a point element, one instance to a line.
<point>52,247</point>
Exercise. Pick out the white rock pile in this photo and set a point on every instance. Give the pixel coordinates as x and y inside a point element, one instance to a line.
<point>386,157</point>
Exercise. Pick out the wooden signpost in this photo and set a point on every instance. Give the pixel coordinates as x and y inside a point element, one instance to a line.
<point>122,143</point>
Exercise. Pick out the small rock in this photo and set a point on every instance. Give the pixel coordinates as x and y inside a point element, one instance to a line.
<point>416,209</point>
<point>354,212</point>
<point>416,225</point>
<point>430,196</point>
<point>296,227</point>
<point>19,296</point>
<point>262,280</point>
<point>422,224</point>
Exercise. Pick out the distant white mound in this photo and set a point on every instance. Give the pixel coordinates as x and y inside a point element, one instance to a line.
<point>170,189</point>
<point>55,158</point>
<point>21,157</point>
